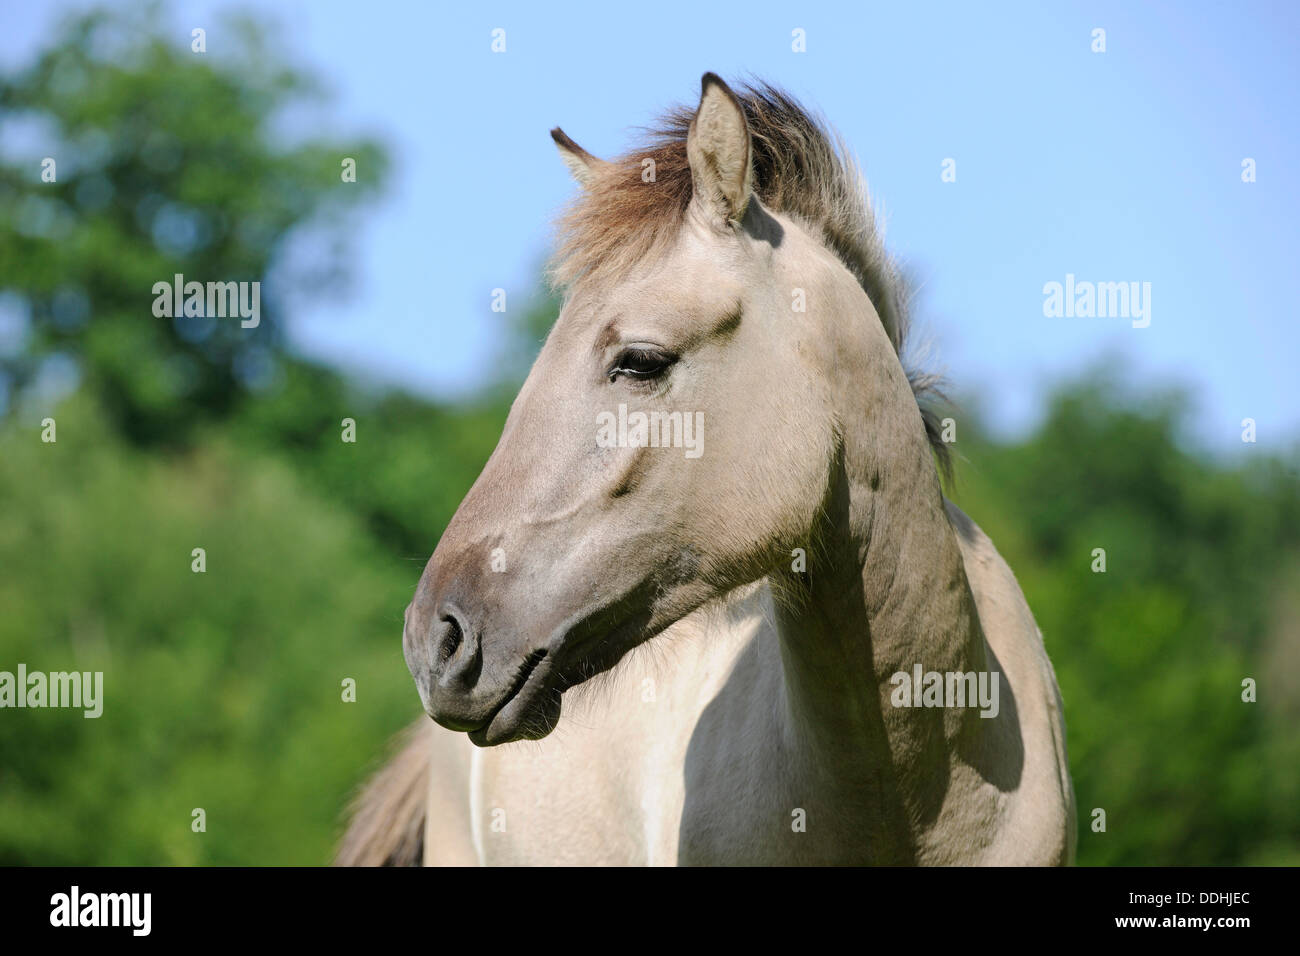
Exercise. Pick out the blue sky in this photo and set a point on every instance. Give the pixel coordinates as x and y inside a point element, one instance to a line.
<point>1115,166</point>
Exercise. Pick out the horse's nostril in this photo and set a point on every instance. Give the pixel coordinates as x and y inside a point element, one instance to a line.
<point>454,645</point>
<point>451,639</point>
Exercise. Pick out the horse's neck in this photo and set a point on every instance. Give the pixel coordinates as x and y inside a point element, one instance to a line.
<point>886,590</point>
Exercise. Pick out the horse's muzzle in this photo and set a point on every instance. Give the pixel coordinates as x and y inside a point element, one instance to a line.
<point>493,700</point>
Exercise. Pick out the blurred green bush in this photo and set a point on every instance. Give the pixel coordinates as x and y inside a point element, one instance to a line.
<point>223,689</point>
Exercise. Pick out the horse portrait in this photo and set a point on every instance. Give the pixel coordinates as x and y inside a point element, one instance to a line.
<point>707,602</point>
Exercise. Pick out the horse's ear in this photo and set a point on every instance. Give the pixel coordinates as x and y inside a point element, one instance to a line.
<point>581,163</point>
<point>718,149</point>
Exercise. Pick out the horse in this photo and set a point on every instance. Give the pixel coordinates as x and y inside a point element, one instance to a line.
<point>731,616</point>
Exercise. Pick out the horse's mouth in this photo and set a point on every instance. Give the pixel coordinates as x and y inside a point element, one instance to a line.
<point>529,710</point>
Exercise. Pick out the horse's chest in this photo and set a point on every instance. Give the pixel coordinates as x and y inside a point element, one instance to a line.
<point>610,785</point>
<point>578,798</point>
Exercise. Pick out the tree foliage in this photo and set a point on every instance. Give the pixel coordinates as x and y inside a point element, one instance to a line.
<point>166,162</point>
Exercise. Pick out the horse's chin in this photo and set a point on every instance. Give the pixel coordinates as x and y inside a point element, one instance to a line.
<point>531,709</point>
<point>529,713</point>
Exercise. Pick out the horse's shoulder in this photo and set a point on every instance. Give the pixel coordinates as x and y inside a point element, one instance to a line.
<point>991,579</point>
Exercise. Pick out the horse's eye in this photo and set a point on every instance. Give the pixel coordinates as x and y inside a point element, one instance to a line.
<point>642,363</point>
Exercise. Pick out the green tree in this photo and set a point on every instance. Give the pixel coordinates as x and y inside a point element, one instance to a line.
<point>165,163</point>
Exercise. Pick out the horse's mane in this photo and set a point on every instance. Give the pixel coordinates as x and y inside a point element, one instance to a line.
<point>802,169</point>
